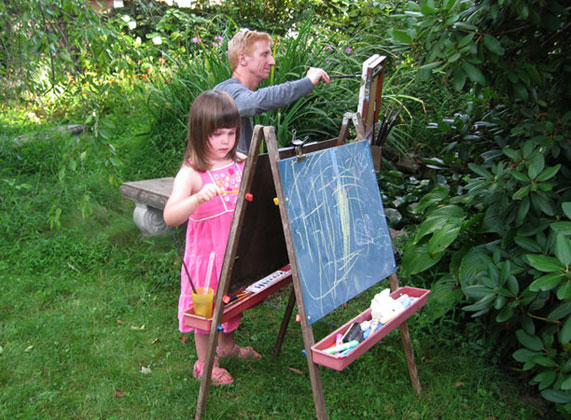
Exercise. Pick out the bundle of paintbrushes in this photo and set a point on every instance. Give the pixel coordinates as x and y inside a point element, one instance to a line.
<point>236,297</point>
<point>383,128</point>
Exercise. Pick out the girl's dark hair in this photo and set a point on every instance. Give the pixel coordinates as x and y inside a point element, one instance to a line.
<point>210,111</point>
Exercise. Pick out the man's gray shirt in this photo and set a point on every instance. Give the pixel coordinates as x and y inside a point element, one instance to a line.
<point>255,102</point>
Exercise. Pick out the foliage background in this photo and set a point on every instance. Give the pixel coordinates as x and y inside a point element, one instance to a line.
<point>476,171</point>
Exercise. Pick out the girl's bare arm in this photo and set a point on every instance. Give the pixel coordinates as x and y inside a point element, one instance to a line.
<point>187,194</point>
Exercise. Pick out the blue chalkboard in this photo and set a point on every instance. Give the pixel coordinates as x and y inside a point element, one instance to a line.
<point>336,216</point>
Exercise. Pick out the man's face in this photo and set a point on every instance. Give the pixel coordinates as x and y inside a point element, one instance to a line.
<point>260,61</point>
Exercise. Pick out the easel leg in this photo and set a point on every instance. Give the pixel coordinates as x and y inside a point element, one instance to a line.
<point>307,332</point>
<point>407,345</point>
<point>207,373</point>
<point>413,373</point>
<point>316,386</point>
<point>285,322</point>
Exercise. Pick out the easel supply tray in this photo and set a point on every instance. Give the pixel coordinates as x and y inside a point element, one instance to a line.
<point>339,363</point>
<point>233,309</point>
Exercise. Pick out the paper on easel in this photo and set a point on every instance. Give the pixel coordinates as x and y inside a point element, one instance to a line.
<point>366,79</point>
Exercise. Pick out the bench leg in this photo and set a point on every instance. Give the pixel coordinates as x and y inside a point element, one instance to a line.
<point>149,220</point>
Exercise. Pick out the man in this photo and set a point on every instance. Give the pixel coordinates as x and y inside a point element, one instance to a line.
<point>250,56</point>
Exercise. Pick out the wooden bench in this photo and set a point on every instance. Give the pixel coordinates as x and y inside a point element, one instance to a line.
<point>150,197</point>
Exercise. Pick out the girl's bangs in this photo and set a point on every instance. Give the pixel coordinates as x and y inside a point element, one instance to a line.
<point>229,118</point>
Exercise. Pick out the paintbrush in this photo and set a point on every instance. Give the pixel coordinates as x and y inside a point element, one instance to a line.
<point>343,76</point>
<point>183,263</point>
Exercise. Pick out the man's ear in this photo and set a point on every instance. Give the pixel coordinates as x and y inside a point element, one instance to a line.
<point>242,59</point>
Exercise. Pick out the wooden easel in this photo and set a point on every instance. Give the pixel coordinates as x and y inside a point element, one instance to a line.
<point>275,155</point>
<point>370,95</point>
<point>373,73</point>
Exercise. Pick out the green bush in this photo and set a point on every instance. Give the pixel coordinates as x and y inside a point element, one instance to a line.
<point>507,245</point>
<point>502,233</point>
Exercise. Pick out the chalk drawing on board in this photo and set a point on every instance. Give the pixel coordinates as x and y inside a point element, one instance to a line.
<point>339,232</point>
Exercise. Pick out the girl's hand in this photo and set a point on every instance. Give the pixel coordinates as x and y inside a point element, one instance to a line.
<point>187,194</point>
<point>207,193</point>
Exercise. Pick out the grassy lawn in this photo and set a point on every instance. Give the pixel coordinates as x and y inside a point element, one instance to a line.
<point>88,330</point>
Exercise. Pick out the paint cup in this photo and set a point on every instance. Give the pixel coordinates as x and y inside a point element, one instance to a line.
<point>202,302</point>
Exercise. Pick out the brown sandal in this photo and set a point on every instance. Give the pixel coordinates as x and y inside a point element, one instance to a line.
<point>242,353</point>
<point>220,376</point>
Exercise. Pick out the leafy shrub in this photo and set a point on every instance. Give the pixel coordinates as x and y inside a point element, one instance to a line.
<point>502,234</point>
<point>46,43</point>
<point>510,233</point>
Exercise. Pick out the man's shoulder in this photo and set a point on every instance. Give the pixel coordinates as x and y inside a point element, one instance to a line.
<point>229,85</point>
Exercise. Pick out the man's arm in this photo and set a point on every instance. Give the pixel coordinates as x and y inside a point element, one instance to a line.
<point>256,102</point>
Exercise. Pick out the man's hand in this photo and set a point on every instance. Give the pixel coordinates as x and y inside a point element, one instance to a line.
<point>317,75</point>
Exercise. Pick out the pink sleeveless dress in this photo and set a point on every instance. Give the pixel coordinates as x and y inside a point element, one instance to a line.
<point>208,229</point>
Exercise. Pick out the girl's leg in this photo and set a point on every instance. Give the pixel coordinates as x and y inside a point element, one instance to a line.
<point>201,342</point>
<point>226,341</point>
<point>227,347</point>
<point>220,376</point>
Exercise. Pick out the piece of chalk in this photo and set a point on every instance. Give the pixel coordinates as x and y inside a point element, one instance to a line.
<point>344,353</point>
<point>226,299</point>
<point>220,328</point>
<point>345,346</point>
<point>366,333</point>
<point>276,201</point>
<point>249,197</point>
<point>297,318</point>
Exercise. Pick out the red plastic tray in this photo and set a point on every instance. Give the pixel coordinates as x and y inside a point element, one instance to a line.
<point>231,310</point>
<point>330,361</point>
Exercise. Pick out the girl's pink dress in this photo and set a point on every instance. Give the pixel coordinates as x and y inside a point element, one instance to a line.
<point>208,230</point>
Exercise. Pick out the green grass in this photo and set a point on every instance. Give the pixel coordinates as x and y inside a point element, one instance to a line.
<point>74,343</point>
<point>85,308</point>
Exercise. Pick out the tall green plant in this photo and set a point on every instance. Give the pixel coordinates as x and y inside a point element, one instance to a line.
<point>173,88</point>
<point>317,116</point>
<point>169,91</point>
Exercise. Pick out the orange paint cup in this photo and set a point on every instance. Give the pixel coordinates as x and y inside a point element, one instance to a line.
<point>203,302</point>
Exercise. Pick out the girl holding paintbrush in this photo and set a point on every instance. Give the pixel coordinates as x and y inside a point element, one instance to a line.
<point>204,194</point>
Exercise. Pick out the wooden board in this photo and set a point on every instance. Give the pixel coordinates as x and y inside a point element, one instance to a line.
<point>373,73</point>
<point>261,247</point>
<point>152,192</point>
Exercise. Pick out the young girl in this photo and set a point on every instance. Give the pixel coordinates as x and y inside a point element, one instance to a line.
<point>204,194</point>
